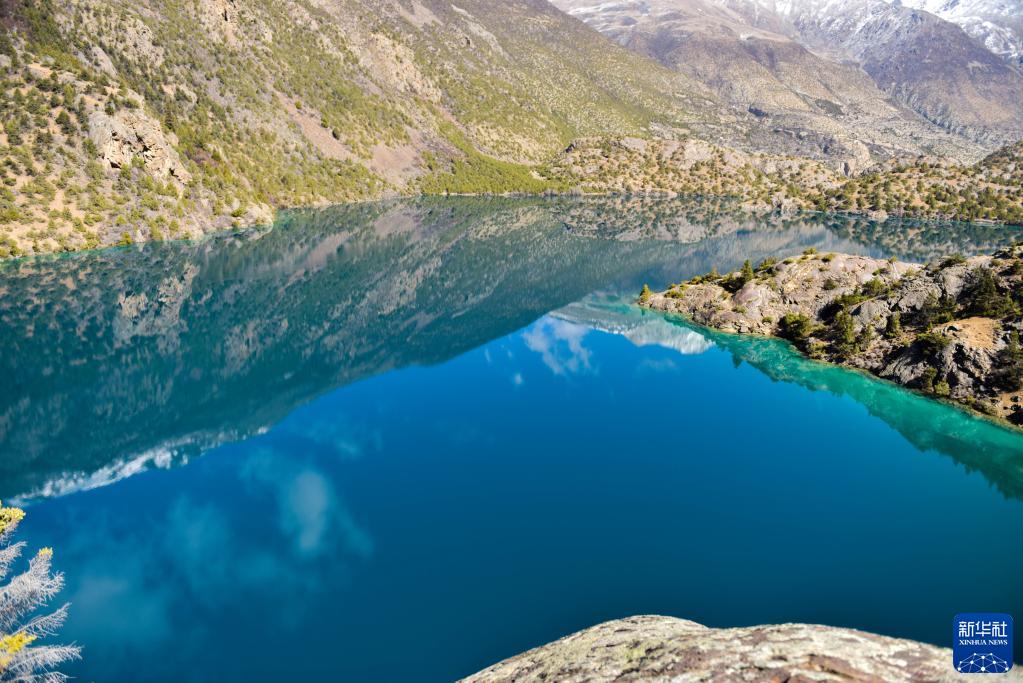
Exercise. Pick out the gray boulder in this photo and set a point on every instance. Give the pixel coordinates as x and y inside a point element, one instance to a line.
<point>652,648</point>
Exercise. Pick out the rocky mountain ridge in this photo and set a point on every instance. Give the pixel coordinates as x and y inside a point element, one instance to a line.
<point>921,60</point>
<point>926,187</point>
<point>998,24</point>
<point>754,64</point>
<point>871,69</point>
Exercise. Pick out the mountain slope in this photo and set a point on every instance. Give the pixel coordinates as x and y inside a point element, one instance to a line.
<point>998,24</point>
<point>927,187</point>
<point>925,62</point>
<point>742,53</point>
<point>140,120</point>
<point>137,120</point>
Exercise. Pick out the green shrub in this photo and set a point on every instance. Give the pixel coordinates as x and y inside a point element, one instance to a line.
<point>932,343</point>
<point>983,297</point>
<point>843,333</point>
<point>644,295</point>
<point>927,380</point>
<point>795,327</point>
<point>873,287</point>
<point>865,338</point>
<point>936,311</point>
<point>953,260</point>
<point>893,328</point>
<point>737,281</point>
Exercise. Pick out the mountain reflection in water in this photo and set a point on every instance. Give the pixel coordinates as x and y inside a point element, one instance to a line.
<point>118,361</point>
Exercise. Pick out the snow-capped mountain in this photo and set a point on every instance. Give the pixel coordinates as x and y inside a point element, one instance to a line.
<point>998,24</point>
<point>924,61</point>
<point>748,56</point>
<point>801,61</point>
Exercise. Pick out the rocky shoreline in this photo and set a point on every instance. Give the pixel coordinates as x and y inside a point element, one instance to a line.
<point>664,648</point>
<point>949,330</point>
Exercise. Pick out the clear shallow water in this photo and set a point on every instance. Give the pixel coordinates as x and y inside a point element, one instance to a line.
<point>433,435</point>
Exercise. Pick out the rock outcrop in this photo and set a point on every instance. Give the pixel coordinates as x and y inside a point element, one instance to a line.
<point>949,330</point>
<point>652,648</point>
<point>131,134</point>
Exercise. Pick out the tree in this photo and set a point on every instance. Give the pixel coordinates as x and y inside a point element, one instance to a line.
<point>931,344</point>
<point>1010,361</point>
<point>893,328</point>
<point>982,295</point>
<point>747,271</point>
<point>735,282</point>
<point>865,338</point>
<point>843,332</point>
<point>21,661</point>
<point>644,295</point>
<point>936,310</point>
<point>927,379</point>
<point>795,327</point>
<point>64,121</point>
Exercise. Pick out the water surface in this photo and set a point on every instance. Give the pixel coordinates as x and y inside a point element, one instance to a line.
<point>401,441</point>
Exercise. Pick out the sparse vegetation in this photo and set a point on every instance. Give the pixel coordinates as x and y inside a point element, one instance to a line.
<point>796,327</point>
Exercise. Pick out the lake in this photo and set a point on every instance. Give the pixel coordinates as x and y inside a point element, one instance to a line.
<point>404,440</point>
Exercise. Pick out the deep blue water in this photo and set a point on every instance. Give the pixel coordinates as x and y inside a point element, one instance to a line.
<point>403,442</point>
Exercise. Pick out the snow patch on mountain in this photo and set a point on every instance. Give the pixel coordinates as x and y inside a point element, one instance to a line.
<point>998,24</point>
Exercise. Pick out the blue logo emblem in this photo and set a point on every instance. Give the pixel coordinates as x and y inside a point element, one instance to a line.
<point>982,643</point>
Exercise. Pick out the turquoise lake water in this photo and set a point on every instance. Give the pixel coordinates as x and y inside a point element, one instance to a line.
<point>402,441</point>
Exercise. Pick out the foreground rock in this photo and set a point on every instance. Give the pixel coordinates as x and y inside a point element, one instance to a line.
<point>949,330</point>
<point>664,648</point>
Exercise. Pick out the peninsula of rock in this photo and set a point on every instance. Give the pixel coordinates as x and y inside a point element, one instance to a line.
<point>949,329</point>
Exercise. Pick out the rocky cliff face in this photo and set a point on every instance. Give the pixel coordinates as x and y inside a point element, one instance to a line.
<point>651,648</point>
<point>949,330</point>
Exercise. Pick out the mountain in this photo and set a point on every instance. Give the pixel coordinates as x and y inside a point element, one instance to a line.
<point>744,54</point>
<point>927,187</point>
<point>998,24</point>
<point>991,190</point>
<point>928,64</point>
<point>130,121</point>
<point>139,121</point>
<point>846,68</point>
